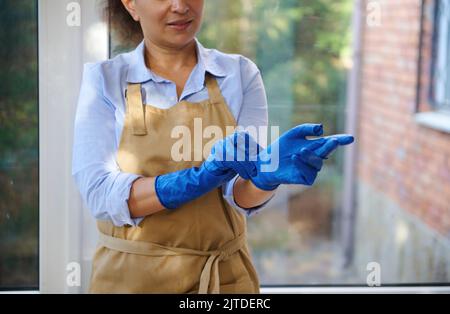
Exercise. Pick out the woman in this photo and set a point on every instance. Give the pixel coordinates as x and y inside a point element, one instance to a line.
<point>169,224</point>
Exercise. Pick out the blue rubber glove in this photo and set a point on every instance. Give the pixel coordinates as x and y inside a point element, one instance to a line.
<point>293,159</point>
<point>229,156</point>
<point>333,142</point>
<point>330,144</point>
<point>236,153</point>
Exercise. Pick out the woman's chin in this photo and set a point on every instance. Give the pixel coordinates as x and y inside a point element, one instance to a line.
<point>180,40</point>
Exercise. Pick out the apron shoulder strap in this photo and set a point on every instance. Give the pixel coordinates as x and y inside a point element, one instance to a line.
<point>135,108</point>
<point>214,92</point>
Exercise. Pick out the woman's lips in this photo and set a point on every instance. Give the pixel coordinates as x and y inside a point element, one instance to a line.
<point>180,26</point>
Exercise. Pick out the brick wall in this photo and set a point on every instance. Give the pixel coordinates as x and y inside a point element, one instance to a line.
<point>406,162</point>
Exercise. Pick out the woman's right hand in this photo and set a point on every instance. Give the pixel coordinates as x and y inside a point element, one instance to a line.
<point>229,156</point>
<point>293,159</point>
<point>234,154</point>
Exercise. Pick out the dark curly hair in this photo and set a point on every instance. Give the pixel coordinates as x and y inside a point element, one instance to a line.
<point>122,25</point>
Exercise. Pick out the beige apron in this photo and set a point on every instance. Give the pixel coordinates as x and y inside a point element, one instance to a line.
<point>200,247</point>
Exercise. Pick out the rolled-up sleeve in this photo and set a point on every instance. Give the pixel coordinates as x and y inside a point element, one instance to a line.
<point>103,187</point>
<point>253,113</point>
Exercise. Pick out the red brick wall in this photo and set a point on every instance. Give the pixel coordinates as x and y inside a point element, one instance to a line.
<point>407,162</point>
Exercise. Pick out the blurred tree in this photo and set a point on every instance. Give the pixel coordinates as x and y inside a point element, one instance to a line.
<point>299,45</point>
<point>19,204</point>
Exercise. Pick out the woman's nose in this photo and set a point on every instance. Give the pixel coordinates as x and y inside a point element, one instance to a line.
<point>180,6</point>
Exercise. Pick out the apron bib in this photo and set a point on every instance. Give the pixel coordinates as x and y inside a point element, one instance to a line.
<point>200,247</point>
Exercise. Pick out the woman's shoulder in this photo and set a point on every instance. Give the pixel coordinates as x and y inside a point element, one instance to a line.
<point>233,59</point>
<point>234,64</point>
<point>115,67</point>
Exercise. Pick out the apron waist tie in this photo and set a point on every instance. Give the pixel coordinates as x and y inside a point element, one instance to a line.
<point>154,249</point>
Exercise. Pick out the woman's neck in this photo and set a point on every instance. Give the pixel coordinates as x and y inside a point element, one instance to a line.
<point>165,60</point>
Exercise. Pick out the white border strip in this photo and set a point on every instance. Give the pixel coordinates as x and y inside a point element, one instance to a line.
<point>330,290</point>
<point>357,290</point>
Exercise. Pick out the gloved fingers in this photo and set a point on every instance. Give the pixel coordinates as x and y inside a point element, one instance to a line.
<point>231,147</point>
<point>307,129</point>
<point>308,174</point>
<point>327,148</point>
<point>314,144</point>
<point>235,147</point>
<point>219,150</point>
<point>310,158</point>
<point>310,177</point>
<point>343,139</point>
<point>239,154</point>
<point>243,147</point>
<point>252,145</point>
<point>241,171</point>
<point>245,169</point>
<point>242,153</point>
<point>252,148</point>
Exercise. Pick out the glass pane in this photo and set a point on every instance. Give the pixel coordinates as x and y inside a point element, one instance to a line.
<point>19,215</point>
<point>301,48</point>
<point>401,216</point>
<point>442,51</point>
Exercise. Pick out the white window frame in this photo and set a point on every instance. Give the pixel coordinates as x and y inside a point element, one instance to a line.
<point>67,233</point>
<point>63,220</point>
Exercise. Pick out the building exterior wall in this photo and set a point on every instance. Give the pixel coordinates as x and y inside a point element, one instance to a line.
<point>403,167</point>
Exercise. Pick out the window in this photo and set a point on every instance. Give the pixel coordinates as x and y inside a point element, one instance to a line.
<point>440,87</point>
<point>399,217</point>
<point>19,177</point>
<point>396,224</point>
<point>301,50</point>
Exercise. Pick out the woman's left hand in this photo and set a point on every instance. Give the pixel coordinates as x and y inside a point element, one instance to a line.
<point>294,159</point>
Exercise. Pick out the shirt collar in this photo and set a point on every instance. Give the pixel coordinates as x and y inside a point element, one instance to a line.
<point>139,73</point>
